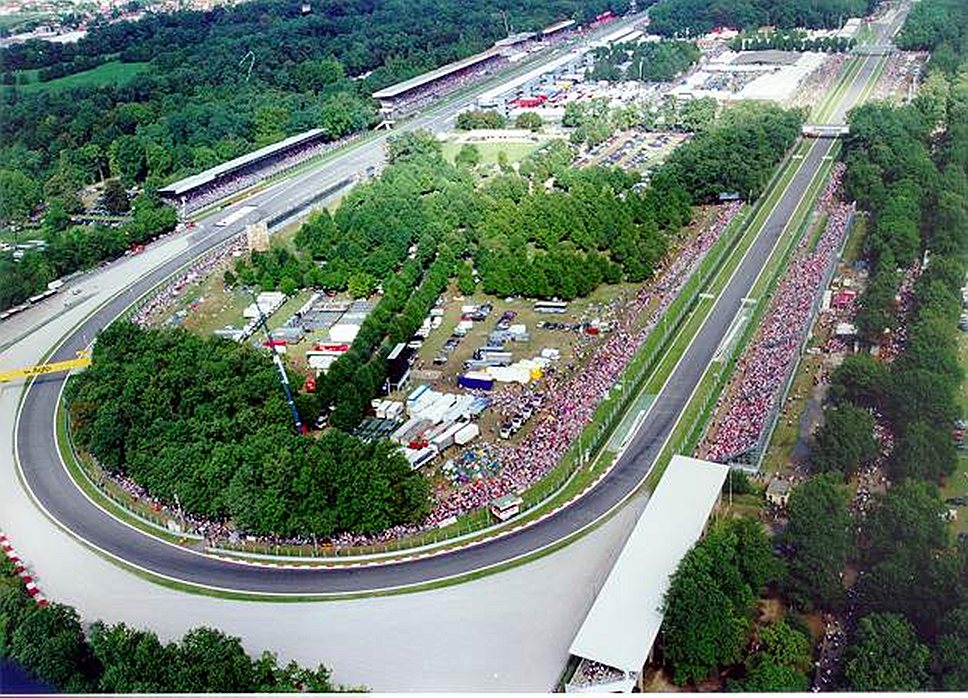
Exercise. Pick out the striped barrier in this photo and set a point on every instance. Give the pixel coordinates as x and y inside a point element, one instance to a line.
<point>25,577</point>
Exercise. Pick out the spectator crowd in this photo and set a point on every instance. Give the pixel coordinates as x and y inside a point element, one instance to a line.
<point>752,396</point>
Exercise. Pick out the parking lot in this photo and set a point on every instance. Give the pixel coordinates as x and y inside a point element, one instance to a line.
<point>636,150</point>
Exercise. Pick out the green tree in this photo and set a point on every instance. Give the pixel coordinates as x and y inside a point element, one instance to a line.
<point>923,451</point>
<point>784,645</point>
<point>911,567</point>
<point>116,198</point>
<point>700,627</point>
<point>819,534</point>
<point>468,156</point>
<point>706,608</point>
<point>56,218</point>
<point>19,193</point>
<point>132,661</point>
<point>209,661</point>
<point>845,442</point>
<point>411,144</point>
<point>49,642</point>
<point>479,119</point>
<point>465,279</point>
<point>288,285</point>
<point>860,379</point>
<point>528,120</point>
<point>361,285</point>
<point>950,661</point>
<point>128,160</point>
<point>886,656</point>
<point>766,676</point>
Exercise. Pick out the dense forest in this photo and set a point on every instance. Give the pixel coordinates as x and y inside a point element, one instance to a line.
<point>220,437</point>
<point>737,154</point>
<point>199,104</point>
<point>51,644</point>
<point>908,608</point>
<point>695,17</point>
<point>647,62</point>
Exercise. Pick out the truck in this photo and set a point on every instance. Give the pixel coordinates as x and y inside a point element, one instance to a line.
<point>468,433</point>
<point>475,381</point>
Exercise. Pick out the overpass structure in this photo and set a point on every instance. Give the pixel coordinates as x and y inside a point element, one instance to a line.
<point>825,130</point>
<point>52,488</point>
<point>873,49</point>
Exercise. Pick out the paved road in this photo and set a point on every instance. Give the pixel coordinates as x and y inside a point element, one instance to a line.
<point>51,485</point>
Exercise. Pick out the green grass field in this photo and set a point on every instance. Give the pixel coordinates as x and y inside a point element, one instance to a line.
<point>14,21</point>
<point>111,73</point>
<point>515,151</point>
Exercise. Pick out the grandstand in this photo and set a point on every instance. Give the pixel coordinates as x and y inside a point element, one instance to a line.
<point>615,640</point>
<point>557,27</point>
<point>393,97</point>
<point>185,190</point>
<point>397,100</point>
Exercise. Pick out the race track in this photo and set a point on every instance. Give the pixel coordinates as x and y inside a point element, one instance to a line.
<point>51,485</point>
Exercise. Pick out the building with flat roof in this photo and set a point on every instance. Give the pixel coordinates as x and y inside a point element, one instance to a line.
<point>402,88</point>
<point>778,492</point>
<point>616,638</point>
<point>557,27</point>
<point>186,186</point>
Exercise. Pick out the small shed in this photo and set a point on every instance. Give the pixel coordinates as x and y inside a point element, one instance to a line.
<point>778,492</point>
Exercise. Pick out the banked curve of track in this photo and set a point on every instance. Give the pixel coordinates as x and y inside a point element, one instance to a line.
<point>53,488</point>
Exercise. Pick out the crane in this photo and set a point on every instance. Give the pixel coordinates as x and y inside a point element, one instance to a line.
<point>83,359</point>
<point>283,378</point>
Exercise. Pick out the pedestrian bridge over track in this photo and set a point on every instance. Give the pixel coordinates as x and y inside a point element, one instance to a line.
<point>824,130</point>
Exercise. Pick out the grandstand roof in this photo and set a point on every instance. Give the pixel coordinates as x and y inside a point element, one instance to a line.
<point>624,620</point>
<point>557,26</point>
<point>189,183</point>
<point>514,39</point>
<point>441,72</point>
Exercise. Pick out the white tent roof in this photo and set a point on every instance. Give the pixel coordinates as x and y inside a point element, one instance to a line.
<point>624,620</point>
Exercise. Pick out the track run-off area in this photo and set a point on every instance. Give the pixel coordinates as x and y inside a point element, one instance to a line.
<point>45,477</point>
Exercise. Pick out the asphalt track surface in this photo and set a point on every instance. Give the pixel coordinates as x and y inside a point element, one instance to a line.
<point>51,485</point>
